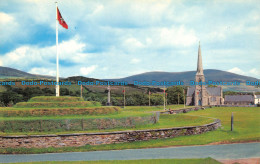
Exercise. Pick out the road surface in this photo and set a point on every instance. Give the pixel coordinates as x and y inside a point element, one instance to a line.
<point>227,151</point>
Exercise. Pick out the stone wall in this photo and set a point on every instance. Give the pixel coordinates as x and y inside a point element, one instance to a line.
<point>185,110</point>
<point>82,139</point>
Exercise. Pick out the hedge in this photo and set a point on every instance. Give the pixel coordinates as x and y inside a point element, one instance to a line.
<point>57,104</point>
<point>59,125</point>
<point>55,99</point>
<point>15,112</point>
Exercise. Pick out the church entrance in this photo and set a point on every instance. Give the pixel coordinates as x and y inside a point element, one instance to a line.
<point>199,103</point>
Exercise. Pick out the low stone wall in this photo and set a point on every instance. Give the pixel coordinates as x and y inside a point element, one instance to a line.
<point>185,110</point>
<point>235,105</point>
<point>43,141</point>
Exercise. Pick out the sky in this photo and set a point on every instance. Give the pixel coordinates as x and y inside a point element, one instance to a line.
<point>119,38</point>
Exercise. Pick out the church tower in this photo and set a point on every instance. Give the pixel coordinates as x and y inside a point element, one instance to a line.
<point>200,97</point>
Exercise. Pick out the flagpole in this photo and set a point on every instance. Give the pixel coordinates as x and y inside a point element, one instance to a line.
<point>57,55</point>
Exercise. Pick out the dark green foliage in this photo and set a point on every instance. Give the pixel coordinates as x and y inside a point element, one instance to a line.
<point>230,93</point>
<point>9,97</point>
<point>173,93</point>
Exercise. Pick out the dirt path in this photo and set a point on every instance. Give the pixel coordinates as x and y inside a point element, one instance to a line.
<point>241,161</point>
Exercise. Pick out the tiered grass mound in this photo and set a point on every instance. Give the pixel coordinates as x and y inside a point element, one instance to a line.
<point>57,114</point>
<point>71,124</point>
<point>57,106</point>
<point>25,112</point>
<point>55,99</point>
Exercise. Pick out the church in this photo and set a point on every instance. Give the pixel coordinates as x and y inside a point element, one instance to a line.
<point>201,95</point>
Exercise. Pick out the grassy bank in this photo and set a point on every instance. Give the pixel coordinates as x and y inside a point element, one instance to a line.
<point>143,161</point>
<point>246,128</point>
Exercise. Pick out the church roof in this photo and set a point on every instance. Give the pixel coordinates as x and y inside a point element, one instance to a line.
<point>190,91</point>
<point>236,98</point>
<point>212,91</point>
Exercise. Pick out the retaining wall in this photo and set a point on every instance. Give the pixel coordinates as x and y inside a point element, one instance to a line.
<point>82,139</point>
<point>43,141</point>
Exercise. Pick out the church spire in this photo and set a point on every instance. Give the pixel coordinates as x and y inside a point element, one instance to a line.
<point>199,65</point>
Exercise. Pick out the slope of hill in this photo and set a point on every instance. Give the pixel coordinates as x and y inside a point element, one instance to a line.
<point>210,74</point>
<point>6,72</point>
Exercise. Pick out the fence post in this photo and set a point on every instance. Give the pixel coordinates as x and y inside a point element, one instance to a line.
<point>157,116</point>
<point>82,124</point>
<point>232,121</point>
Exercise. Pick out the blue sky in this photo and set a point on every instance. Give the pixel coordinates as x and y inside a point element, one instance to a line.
<point>119,38</point>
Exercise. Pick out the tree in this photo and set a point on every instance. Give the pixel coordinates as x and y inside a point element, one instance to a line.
<point>172,94</point>
<point>9,97</point>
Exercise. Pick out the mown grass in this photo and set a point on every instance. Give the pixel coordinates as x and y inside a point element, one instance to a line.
<point>165,121</point>
<point>57,104</point>
<point>55,99</point>
<point>152,108</point>
<point>23,112</point>
<point>246,128</point>
<point>142,161</point>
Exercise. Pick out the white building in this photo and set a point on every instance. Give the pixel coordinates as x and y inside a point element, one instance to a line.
<point>257,99</point>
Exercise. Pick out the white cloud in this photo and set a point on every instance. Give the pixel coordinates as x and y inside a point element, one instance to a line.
<point>87,70</point>
<point>8,27</point>
<point>161,34</point>
<point>5,18</point>
<point>177,36</point>
<point>27,56</point>
<point>254,72</point>
<point>43,71</point>
<point>237,71</point>
<point>135,61</point>
<point>132,44</point>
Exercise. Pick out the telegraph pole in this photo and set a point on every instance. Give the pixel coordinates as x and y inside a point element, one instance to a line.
<point>184,96</point>
<point>124,97</point>
<point>164,98</point>
<point>149,98</point>
<point>178,98</point>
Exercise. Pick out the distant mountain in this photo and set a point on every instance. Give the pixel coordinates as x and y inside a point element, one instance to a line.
<point>6,72</point>
<point>186,77</point>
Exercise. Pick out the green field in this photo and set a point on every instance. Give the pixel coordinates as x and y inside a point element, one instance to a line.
<point>246,128</point>
<point>165,121</point>
<point>143,161</point>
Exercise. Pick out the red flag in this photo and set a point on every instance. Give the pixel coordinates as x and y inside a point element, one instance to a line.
<point>61,20</point>
<point>149,92</point>
<point>166,93</point>
<point>123,90</point>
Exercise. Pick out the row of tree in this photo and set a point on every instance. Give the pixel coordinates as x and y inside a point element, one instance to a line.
<point>174,96</point>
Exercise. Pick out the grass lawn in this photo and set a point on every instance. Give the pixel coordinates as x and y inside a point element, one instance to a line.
<point>165,121</point>
<point>143,161</point>
<point>246,128</point>
<point>152,108</point>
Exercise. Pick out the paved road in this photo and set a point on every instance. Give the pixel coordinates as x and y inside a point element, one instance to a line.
<point>229,151</point>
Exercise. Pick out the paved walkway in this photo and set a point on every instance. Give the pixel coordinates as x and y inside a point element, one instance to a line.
<point>228,151</point>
